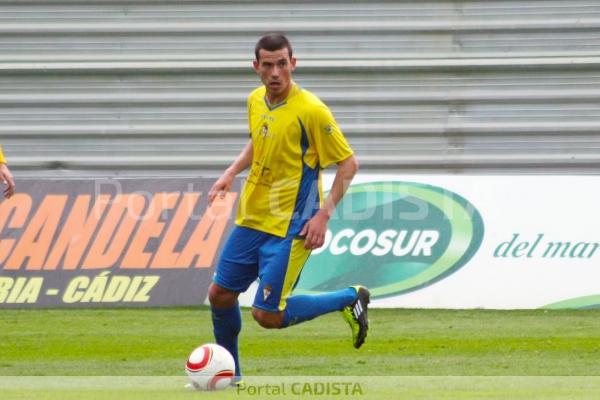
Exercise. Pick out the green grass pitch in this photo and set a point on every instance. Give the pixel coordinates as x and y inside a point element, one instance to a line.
<point>411,354</point>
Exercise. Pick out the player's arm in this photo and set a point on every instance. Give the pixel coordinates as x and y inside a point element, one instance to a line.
<point>223,184</point>
<point>314,230</point>
<point>6,177</point>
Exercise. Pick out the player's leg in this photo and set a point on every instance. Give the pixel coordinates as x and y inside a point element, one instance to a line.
<point>301,308</point>
<point>268,319</point>
<point>236,270</point>
<point>227,320</point>
<point>351,301</point>
<point>282,261</point>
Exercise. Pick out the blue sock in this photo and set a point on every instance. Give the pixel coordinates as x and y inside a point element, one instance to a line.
<point>227,324</point>
<point>303,307</point>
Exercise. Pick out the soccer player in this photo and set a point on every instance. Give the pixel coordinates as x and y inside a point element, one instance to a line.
<point>281,216</point>
<point>6,177</point>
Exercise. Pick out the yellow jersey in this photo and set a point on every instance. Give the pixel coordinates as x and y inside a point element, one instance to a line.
<point>293,141</point>
<point>2,160</point>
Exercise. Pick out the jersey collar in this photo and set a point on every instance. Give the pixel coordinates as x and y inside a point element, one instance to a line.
<point>295,89</point>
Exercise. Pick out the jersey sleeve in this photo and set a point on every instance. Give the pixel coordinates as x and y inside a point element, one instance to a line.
<point>329,141</point>
<point>2,160</point>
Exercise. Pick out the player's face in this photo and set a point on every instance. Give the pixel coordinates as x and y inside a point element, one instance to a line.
<point>275,70</point>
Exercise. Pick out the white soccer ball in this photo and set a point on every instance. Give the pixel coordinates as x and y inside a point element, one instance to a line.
<point>210,367</point>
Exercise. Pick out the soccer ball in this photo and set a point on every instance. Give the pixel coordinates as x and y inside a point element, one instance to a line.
<point>210,367</point>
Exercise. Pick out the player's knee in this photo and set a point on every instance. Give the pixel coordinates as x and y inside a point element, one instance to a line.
<point>268,320</point>
<point>220,297</point>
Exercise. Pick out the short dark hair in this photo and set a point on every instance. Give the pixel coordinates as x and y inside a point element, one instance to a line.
<point>272,42</point>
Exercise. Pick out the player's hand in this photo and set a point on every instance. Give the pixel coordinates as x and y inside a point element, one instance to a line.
<point>8,180</point>
<point>314,230</point>
<point>220,188</point>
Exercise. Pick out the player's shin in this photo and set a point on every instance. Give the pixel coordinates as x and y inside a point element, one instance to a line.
<point>302,308</point>
<point>227,324</point>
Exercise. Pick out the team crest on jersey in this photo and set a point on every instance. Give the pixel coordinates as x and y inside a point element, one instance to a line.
<point>329,129</point>
<point>265,130</point>
<point>266,292</point>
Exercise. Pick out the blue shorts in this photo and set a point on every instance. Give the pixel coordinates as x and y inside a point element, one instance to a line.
<point>277,262</point>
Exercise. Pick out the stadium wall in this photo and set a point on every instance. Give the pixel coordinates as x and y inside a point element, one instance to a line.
<point>101,88</point>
